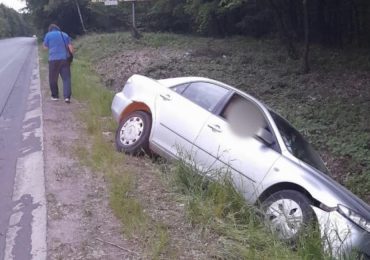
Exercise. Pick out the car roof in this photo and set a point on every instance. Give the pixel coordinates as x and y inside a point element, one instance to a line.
<point>170,82</point>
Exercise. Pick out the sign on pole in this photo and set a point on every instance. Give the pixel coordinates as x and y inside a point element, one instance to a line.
<point>106,2</point>
<point>115,2</point>
<point>110,2</point>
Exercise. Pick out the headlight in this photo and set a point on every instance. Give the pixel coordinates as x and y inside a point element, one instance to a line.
<point>354,217</point>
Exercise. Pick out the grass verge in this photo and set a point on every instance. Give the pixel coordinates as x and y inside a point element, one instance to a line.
<point>96,152</point>
<point>218,207</point>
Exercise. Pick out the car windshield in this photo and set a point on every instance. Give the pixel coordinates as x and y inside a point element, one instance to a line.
<point>297,145</point>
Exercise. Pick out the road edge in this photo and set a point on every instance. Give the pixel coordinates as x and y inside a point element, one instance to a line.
<point>30,176</point>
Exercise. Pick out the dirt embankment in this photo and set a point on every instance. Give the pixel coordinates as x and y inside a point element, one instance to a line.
<point>330,104</point>
<point>117,69</point>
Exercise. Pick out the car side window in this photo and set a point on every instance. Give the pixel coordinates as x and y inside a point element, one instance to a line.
<point>180,88</point>
<point>244,117</point>
<point>206,95</point>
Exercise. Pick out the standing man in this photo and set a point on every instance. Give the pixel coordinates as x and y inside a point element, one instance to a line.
<point>60,49</point>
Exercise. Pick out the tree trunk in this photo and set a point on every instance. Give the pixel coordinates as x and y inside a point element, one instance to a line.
<point>356,22</point>
<point>305,61</point>
<point>322,26</point>
<point>286,36</point>
<point>80,15</point>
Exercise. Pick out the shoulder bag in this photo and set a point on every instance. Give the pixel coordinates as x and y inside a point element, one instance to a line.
<point>69,53</point>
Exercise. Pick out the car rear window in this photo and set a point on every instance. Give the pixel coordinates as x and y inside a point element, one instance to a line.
<point>206,95</point>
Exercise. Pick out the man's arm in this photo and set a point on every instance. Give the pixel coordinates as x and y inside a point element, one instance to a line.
<point>46,44</point>
<point>69,44</point>
<point>70,47</point>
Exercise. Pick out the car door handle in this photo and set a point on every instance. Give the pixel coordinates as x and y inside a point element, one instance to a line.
<point>166,97</point>
<point>215,128</point>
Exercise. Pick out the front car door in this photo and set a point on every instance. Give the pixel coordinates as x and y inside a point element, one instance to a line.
<point>181,112</point>
<point>228,141</point>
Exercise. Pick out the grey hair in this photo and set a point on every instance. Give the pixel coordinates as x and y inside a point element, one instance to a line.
<point>53,26</point>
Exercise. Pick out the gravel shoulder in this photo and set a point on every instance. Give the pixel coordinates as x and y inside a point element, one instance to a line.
<point>79,216</point>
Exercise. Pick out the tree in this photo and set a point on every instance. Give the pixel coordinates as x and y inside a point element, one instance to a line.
<point>286,35</point>
<point>305,64</point>
<point>12,23</point>
<point>66,13</point>
<point>335,23</point>
<point>80,15</point>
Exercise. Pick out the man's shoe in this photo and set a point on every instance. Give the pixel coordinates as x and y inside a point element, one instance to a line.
<point>54,99</point>
<point>67,100</point>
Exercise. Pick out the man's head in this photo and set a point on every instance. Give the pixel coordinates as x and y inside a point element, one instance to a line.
<point>53,26</point>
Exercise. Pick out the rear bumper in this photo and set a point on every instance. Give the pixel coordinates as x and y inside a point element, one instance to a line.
<point>119,104</point>
<point>342,236</point>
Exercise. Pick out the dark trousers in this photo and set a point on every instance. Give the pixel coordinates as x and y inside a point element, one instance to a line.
<point>62,68</point>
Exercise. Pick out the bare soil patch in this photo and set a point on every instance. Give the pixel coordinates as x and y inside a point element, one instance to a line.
<point>115,70</point>
<point>162,205</point>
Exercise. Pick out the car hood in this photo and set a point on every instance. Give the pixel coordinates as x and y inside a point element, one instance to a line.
<point>343,195</point>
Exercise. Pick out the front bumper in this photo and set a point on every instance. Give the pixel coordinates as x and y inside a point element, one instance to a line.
<point>340,235</point>
<point>119,104</point>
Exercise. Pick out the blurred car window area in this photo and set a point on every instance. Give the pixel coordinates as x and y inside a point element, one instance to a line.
<point>244,117</point>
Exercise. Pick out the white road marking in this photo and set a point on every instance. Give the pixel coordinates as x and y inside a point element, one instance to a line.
<point>30,179</point>
<point>10,241</point>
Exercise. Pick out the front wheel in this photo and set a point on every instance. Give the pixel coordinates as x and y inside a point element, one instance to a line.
<point>288,213</point>
<point>132,135</point>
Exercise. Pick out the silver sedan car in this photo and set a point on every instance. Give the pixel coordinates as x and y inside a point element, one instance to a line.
<point>269,161</point>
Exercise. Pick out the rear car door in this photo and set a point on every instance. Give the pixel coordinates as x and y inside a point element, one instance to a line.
<point>180,114</point>
<point>228,141</point>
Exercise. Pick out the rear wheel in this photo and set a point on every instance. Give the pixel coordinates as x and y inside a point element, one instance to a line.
<point>288,213</point>
<point>132,135</point>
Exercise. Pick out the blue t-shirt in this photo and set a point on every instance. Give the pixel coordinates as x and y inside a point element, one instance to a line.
<point>54,41</point>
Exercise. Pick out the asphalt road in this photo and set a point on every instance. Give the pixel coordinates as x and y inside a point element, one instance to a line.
<point>22,189</point>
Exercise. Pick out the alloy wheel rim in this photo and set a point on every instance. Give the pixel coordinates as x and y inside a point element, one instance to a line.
<point>285,218</point>
<point>131,131</point>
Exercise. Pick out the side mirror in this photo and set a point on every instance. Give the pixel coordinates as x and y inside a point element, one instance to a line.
<point>265,136</point>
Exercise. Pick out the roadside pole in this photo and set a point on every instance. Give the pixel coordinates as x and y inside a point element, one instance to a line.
<point>134,31</point>
<point>133,15</point>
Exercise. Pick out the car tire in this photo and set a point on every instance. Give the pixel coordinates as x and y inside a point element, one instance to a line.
<point>132,135</point>
<point>288,213</point>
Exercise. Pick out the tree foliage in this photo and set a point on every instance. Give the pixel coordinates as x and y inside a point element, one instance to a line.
<point>330,22</point>
<point>96,16</point>
<point>12,23</point>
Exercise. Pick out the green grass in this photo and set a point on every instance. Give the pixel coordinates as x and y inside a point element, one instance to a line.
<point>319,104</point>
<point>330,105</point>
<point>95,152</point>
<point>100,155</point>
<point>159,244</point>
<point>218,207</point>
